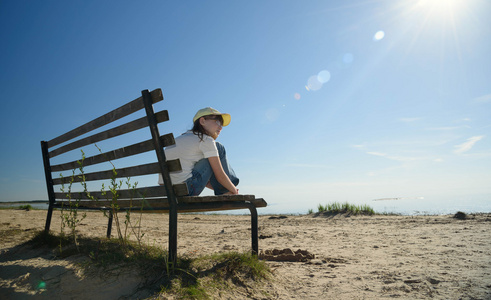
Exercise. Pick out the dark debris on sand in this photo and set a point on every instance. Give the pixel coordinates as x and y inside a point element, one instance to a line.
<point>461,216</point>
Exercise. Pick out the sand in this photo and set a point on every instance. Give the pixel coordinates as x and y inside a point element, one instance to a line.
<point>352,257</point>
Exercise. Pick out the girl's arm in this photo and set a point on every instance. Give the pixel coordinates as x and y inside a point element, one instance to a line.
<point>221,176</point>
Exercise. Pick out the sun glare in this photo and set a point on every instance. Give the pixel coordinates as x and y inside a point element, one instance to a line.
<point>441,7</point>
<point>437,23</point>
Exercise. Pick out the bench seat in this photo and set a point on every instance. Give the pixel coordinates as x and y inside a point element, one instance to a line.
<point>161,205</point>
<point>168,198</point>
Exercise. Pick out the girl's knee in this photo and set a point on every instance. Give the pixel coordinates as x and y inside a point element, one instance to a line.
<point>221,149</point>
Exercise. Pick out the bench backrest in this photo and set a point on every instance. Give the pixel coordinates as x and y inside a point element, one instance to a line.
<point>73,140</point>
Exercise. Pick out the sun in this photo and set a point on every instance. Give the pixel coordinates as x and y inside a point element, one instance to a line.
<point>442,18</point>
<point>442,8</point>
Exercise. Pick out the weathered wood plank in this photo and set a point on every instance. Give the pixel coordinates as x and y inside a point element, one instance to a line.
<point>134,149</point>
<point>204,199</point>
<point>162,204</point>
<point>161,116</point>
<point>123,194</point>
<point>114,115</point>
<point>256,202</point>
<point>122,204</point>
<point>259,202</point>
<point>145,169</point>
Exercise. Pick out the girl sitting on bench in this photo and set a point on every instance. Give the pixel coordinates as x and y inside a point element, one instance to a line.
<point>203,160</point>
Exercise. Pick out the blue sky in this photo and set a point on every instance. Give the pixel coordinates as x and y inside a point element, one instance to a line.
<point>330,100</point>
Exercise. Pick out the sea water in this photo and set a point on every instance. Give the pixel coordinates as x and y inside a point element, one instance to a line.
<point>431,205</point>
<point>434,205</point>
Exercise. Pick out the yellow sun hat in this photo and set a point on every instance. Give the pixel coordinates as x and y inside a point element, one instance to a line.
<point>209,111</point>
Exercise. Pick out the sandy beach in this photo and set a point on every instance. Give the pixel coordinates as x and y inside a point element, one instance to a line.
<point>352,257</point>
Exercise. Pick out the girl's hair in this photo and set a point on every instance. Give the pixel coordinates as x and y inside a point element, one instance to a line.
<point>198,128</point>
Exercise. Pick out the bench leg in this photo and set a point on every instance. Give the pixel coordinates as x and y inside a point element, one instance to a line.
<point>48,218</point>
<point>233,205</point>
<point>172,259</point>
<point>254,230</point>
<point>109,224</point>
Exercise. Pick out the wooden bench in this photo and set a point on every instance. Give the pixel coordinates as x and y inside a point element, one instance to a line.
<point>166,198</point>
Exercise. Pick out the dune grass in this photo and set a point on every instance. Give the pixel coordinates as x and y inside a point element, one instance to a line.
<point>192,278</point>
<point>341,208</point>
<point>202,277</point>
<point>26,207</point>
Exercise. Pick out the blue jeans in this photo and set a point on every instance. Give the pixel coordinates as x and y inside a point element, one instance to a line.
<point>203,173</point>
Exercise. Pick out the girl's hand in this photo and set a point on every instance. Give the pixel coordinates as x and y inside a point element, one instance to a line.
<point>221,177</point>
<point>232,193</point>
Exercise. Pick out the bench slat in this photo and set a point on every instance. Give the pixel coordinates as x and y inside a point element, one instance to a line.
<point>146,169</point>
<point>165,210</point>
<point>162,204</point>
<point>137,193</point>
<point>114,115</point>
<point>256,202</point>
<point>203,199</point>
<point>134,149</point>
<point>161,116</point>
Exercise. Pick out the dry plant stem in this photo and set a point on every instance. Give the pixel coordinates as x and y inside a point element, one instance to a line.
<point>137,233</point>
<point>71,218</point>
<point>114,187</point>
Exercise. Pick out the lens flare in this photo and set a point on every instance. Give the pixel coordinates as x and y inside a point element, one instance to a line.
<point>272,114</point>
<point>313,84</point>
<point>379,35</point>
<point>297,96</point>
<point>323,76</point>
<point>348,58</point>
<point>41,285</point>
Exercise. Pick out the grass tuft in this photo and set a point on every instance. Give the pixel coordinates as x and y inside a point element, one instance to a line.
<point>26,207</point>
<point>204,276</point>
<point>342,208</point>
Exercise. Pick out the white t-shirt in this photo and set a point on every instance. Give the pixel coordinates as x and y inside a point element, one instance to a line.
<point>189,149</point>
